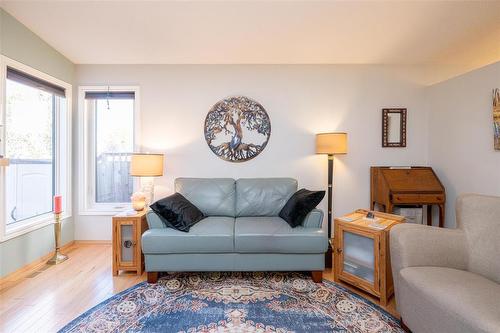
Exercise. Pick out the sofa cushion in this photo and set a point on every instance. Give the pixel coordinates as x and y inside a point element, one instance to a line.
<point>210,235</point>
<point>213,196</point>
<point>177,212</point>
<point>299,205</point>
<point>274,235</point>
<point>263,196</point>
<point>447,299</point>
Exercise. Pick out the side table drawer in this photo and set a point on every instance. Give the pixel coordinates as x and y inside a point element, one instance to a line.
<point>417,198</point>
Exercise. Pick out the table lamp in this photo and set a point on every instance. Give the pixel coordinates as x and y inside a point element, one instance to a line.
<point>330,144</point>
<point>147,166</point>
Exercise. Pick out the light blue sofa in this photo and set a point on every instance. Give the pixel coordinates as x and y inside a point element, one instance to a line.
<point>242,231</point>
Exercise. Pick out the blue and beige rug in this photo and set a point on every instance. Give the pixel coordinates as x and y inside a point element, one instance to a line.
<point>235,302</point>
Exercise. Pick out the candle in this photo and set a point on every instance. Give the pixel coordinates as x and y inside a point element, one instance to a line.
<point>57,204</point>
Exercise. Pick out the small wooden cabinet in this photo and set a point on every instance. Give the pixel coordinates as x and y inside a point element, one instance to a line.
<point>127,232</point>
<point>361,252</point>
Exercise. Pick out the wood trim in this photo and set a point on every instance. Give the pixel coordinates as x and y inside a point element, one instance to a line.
<point>92,242</point>
<point>32,266</point>
<point>384,215</point>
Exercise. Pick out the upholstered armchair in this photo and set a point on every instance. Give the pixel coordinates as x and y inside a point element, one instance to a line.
<point>448,280</point>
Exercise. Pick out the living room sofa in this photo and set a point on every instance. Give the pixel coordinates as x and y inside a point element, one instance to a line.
<point>448,280</point>
<point>241,232</point>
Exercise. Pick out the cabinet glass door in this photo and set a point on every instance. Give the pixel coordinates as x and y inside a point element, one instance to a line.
<point>359,256</point>
<point>127,246</point>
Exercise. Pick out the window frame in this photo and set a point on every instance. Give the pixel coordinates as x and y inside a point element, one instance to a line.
<point>62,153</point>
<point>87,181</point>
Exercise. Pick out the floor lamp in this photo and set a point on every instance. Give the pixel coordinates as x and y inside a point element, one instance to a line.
<point>330,144</point>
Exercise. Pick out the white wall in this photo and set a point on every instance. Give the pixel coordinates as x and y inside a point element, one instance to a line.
<point>300,100</point>
<point>461,135</point>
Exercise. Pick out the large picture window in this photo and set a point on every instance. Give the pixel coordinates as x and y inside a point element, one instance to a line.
<point>109,117</point>
<point>36,143</point>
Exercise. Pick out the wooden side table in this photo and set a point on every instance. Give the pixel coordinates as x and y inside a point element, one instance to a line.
<point>361,252</point>
<point>127,232</point>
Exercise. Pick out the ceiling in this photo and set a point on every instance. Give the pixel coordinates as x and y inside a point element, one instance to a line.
<point>265,32</point>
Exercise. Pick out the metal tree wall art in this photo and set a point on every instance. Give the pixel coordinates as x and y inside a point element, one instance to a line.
<point>237,129</point>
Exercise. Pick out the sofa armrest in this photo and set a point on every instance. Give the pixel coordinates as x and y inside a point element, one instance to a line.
<point>314,219</point>
<point>420,245</point>
<point>154,221</point>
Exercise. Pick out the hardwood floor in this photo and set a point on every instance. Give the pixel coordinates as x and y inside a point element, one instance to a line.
<point>47,297</point>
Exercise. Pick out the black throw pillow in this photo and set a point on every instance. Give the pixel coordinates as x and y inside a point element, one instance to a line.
<point>177,212</point>
<point>299,205</point>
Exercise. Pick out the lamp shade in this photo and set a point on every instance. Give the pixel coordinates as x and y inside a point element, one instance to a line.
<point>146,165</point>
<point>331,143</point>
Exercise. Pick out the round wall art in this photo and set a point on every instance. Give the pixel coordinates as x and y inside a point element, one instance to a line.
<point>237,129</point>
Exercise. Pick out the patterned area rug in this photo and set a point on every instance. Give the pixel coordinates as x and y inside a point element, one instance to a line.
<point>235,302</point>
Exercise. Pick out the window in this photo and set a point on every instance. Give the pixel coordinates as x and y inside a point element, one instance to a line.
<point>36,119</point>
<point>109,116</point>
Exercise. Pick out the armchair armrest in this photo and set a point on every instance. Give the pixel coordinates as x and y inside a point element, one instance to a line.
<point>314,219</point>
<point>154,221</point>
<point>419,245</point>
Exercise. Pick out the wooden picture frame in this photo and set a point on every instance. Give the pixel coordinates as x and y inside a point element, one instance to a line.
<point>394,127</point>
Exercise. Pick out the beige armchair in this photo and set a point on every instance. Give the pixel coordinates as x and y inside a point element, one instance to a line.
<point>448,280</point>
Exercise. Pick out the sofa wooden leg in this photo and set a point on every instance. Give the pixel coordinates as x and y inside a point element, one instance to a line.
<point>152,277</point>
<point>317,276</point>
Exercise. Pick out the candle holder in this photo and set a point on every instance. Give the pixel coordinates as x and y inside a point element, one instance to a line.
<point>58,257</point>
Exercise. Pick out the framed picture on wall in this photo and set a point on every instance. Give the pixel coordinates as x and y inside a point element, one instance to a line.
<point>394,127</point>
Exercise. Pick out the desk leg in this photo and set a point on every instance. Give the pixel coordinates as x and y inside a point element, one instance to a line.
<point>389,208</point>
<point>441,215</point>
<point>429,214</point>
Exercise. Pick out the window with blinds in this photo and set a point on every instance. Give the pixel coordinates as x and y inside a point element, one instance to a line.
<point>109,116</point>
<point>34,82</point>
<point>36,140</point>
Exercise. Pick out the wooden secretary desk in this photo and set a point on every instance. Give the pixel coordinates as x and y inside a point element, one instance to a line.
<point>391,186</point>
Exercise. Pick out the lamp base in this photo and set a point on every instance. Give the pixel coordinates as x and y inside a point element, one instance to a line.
<point>57,258</point>
<point>148,187</point>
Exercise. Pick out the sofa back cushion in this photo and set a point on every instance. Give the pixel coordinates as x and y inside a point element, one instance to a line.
<point>213,196</point>
<point>479,217</point>
<point>263,196</point>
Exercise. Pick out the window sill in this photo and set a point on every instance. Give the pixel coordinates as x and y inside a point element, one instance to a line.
<point>101,212</point>
<point>105,210</point>
<point>27,227</point>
